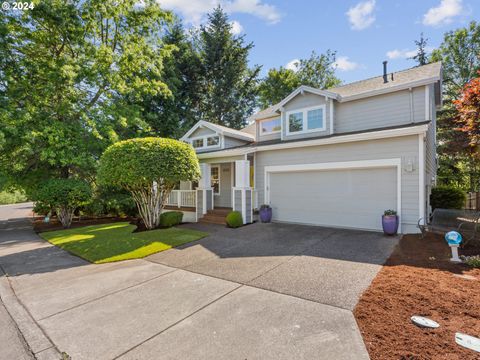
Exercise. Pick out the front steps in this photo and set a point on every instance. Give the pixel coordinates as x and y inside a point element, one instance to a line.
<point>216,216</point>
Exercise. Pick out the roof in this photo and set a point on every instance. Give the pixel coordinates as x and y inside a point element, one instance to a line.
<point>221,130</point>
<point>403,77</point>
<point>416,76</point>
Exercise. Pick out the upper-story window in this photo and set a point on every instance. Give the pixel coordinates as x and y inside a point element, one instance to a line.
<point>270,126</point>
<point>306,120</point>
<point>206,142</point>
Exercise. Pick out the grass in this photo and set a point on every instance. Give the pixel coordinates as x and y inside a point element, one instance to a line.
<point>117,241</point>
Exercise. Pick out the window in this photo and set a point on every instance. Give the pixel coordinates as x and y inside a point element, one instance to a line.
<point>295,122</point>
<point>270,126</point>
<point>213,141</point>
<point>197,143</point>
<point>306,120</point>
<point>215,179</point>
<point>315,119</point>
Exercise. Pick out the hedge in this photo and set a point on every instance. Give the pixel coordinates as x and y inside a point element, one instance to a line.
<point>447,197</point>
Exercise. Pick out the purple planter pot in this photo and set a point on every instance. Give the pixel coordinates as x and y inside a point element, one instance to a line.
<point>390,224</point>
<point>265,215</point>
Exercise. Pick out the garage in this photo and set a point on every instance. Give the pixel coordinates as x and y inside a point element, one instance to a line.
<point>341,197</point>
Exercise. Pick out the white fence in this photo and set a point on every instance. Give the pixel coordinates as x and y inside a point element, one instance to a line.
<point>182,198</point>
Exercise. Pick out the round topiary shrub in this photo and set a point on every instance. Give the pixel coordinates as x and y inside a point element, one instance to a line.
<point>447,197</point>
<point>63,196</point>
<point>149,168</point>
<point>234,219</point>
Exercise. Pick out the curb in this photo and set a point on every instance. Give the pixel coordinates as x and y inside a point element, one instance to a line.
<point>38,343</point>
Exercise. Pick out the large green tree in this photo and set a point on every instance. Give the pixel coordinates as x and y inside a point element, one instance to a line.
<point>460,56</point>
<point>317,71</point>
<point>62,65</point>
<point>229,85</point>
<point>172,116</point>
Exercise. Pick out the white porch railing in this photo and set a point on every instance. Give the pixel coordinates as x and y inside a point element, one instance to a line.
<point>182,198</point>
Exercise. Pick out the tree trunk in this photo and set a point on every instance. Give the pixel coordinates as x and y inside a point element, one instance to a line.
<point>65,215</point>
<point>150,203</point>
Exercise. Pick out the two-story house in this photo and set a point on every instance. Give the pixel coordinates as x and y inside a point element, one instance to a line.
<point>336,157</point>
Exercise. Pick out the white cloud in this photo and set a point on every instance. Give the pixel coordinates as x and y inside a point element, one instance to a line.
<point>293,65</point>
<point>405,53</point>
<point>237,28</point>
<point>194,11</point>
<point>443,13</point>
<point>344,64</point>
<point>361,15</point>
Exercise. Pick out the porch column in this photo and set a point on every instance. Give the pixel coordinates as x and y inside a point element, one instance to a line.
<point>242,192</point>
<point>204,191</point>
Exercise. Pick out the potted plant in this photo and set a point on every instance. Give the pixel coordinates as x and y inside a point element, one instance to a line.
<point>390,222</point>
<point>265,213</point>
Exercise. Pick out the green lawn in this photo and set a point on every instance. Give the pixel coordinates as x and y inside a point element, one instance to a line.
<point>117,241</point>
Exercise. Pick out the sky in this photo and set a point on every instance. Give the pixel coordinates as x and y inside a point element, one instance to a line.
<point>362,32</point>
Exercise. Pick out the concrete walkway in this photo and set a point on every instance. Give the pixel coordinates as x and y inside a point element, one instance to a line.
<point>207,300</point>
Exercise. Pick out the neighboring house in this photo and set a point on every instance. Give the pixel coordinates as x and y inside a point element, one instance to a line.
<point>336,157</point>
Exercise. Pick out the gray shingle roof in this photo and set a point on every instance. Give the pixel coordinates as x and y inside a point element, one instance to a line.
<point>402,77</point>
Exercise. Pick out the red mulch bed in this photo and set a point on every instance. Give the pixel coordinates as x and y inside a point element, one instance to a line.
<point>54,224</point>
<point>418,279</point>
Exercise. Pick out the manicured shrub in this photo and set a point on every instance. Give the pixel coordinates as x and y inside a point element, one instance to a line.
<point>171,218</point>
<point>12,197</point>
<point>63,196</point>
<point>234,219</point>
<point>149,168</point>
<point>447,197</point>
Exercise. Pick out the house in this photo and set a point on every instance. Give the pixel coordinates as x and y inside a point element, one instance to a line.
<point>336,157</point>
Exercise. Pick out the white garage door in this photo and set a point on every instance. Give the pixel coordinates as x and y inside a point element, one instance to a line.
<point>351,198</point>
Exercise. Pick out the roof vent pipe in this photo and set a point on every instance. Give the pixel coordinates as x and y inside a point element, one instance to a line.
<point>385,78</point>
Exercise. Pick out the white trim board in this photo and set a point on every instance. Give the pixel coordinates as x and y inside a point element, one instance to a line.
<point>421,177</point>
<point>343,165</point>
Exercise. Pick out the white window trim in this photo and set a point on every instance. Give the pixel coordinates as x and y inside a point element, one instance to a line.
<point>204,140</point>
<point>271,132</point>
<point>304,112</point>
<point>219,178</point>
<point>358,164</point>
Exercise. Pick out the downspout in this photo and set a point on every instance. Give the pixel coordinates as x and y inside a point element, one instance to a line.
<point>411,105</point>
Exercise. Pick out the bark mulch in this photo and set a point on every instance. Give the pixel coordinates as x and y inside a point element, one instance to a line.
<point>418,279</point>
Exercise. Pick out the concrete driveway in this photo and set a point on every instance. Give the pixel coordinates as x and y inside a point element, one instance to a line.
<point>264,291</point>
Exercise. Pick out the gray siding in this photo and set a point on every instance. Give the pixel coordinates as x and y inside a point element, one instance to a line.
<point>380,111</point>
<point>202,132</point>
<point>225,197</point>
<point>304,101</point>
<point>230,142</point>
<point>405,148</point>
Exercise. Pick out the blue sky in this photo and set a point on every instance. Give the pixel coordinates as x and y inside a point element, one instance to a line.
<point>363,32</point>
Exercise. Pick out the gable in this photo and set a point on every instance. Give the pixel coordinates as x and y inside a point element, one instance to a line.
<point>201,131</point>
<point>305,100</point>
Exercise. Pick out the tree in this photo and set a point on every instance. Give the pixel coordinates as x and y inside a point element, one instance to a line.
<point>63,196</point>
<point>171,116</point>
<point>149,168</point>
<point>276,86</point>
<point>62,66</point>
<point>421,56</point>
<point>468,116</point>
<point>317,71</point>
<point>459,53</point>
<point>229,86</point>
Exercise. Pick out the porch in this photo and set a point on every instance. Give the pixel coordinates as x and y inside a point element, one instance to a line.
<point>224,186</point>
